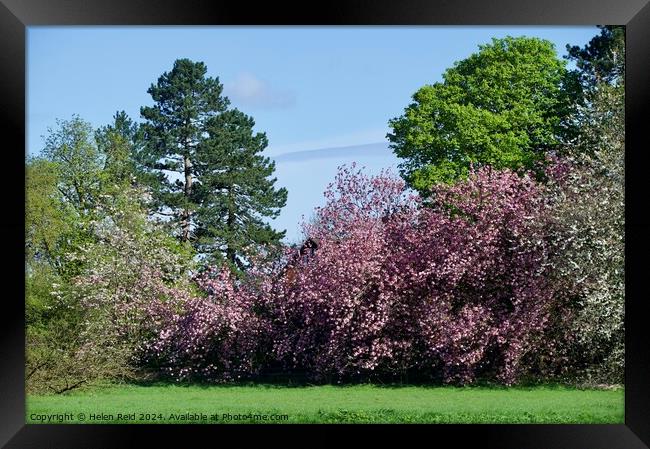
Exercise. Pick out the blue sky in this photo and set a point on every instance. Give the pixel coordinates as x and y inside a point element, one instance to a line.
<point>308,88</point>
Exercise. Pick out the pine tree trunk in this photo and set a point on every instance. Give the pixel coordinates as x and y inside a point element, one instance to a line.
<point>185,223</point>
<point>230,251</point>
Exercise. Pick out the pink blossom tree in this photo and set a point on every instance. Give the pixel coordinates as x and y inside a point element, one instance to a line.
<point>214,335</point>
<point>461,289</point>
<point>450,291</point>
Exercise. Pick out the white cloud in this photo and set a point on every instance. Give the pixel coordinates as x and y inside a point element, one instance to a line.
<point>248,90</point>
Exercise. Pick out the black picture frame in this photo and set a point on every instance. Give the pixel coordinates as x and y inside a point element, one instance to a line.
<point>16,15</point>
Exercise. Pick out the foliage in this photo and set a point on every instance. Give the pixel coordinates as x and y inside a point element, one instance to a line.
<point>478,286</point>
<point>127,272</point>
<point>589,207</point>
<point>49,221</point>
<point>60,353</point>
<point>184,100</point>
<point>457,292</point>
<point>92,327</point>
<point>329,319</point>
<point>588,210</point>
<point>72,147</point>
<point>211,336</point>
<point>58,361</point>
<point>503,106</point>
<point>211,179</point>
<point>64,191</point>
<point>236,192</point>
<point>602,60</point>
<point>120,143</point>
<point>86,223</point>
<point>488,274</point>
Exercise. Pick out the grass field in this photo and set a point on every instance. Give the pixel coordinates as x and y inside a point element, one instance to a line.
<point>328,404</point>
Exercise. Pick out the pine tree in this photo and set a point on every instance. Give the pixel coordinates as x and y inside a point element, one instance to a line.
<point>602,60</point>
<point>236,191</point>
<point>600,105</point>
<point>184,101</point>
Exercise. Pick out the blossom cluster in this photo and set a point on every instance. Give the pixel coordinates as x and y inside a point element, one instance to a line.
<point>449,291</point>
<point>211,336</point>
<point>470,285</point>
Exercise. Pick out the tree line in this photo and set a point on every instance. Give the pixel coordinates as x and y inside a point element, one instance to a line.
<point>135,224</point>
<point>193,164</point>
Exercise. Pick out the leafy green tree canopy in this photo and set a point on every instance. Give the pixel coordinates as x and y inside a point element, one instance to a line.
<point>63,196</point>
<point>120,142</point>
<point>72,146</point>
<point>503,106</point>
<point>48,219</point>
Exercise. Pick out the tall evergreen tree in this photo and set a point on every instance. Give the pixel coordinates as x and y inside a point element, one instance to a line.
<point>236,191</point>
<point>602,60</point>
<point>600,105</point>
<point>174,126</point>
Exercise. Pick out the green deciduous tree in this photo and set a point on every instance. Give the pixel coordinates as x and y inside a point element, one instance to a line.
<point>86,222</point>
<point>236,191</point>
<point>63,196</point>
<point>72,146</point>
<point>120,143</point>
<point>48,220</point>
<point>503,106</point>
<point>184,99</point>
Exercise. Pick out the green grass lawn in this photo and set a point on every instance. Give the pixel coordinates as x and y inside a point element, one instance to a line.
<point>329,404</point>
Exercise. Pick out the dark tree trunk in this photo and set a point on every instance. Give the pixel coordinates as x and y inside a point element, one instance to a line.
<point>185,223</point>
<point>230,251</point>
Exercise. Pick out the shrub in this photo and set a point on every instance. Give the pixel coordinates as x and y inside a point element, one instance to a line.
<point>487,281</point>
<point>212,336</point>
<point>452,291</point>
